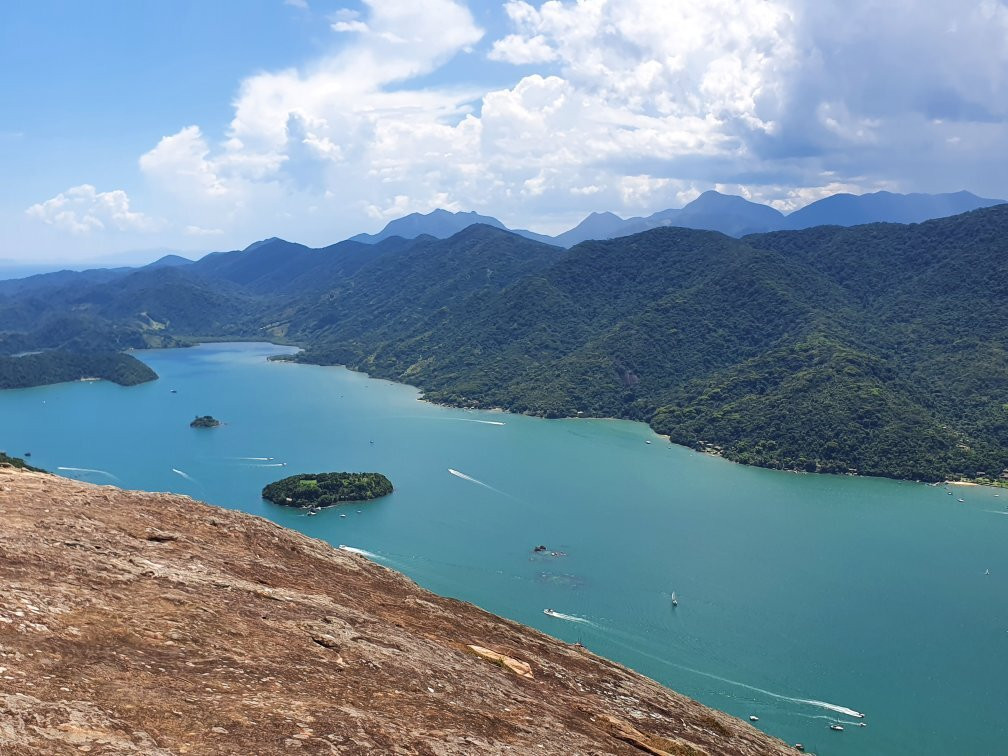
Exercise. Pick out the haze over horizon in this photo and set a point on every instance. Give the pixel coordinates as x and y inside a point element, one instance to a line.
<point>316,120</point>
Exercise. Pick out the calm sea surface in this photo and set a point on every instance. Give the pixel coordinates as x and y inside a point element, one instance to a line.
<point>801,597</point>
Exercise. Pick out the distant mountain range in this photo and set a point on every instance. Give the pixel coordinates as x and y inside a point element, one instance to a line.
<point>711,211</point>
<point>878,348</point>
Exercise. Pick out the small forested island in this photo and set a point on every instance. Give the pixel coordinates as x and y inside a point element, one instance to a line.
<point>205,421</point>
<point>326,489</point>
<point>44,368</point>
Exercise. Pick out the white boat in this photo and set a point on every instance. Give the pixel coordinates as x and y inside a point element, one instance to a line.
<point>675,601</point>
<point>550,612</point>
<point>753,718</point>
<point>837,727</point>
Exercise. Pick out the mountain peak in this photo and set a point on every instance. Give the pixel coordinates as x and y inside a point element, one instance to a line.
<point>884,206</point>
<point>439,223</point>
<point>264,242</point>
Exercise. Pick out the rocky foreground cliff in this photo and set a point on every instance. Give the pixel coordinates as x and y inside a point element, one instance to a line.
<point>149,623</point>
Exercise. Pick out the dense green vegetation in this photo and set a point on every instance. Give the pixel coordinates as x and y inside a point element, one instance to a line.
<point>326,489</point>
<point>56,367</point>
<point>17,462</point>
<point>881,349</point>
<point>204,421</point>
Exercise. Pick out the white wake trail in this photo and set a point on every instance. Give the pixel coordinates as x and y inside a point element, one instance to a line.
<point>806,701</point>
<point>570,618</point>
<point>831,707</point>
<point>362,552</point>
<point>88,470</point>
<point>184,475</point>
<point>471,479</point>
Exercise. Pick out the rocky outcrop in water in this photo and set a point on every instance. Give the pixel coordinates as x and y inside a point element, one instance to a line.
<point>154,624</point>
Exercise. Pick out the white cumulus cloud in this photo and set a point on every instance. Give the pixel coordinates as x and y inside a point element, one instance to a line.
<point>630,105</point>
<point>83,209</point>
<point>515,48</point>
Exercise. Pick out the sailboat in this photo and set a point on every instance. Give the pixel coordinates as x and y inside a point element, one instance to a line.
<point>675,601</point>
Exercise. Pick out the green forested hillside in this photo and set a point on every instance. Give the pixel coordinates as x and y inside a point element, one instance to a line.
<point>881,349</point>
<point>56,367</point>
<point>878,349</point>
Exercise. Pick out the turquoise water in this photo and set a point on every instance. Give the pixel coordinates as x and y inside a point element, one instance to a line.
<point>865,594</point>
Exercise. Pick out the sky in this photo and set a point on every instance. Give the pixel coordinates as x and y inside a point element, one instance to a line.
<point>190,126</point>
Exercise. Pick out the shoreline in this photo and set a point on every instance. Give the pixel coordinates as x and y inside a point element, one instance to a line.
<point>580,416</point>
<point>193,341</point>
<point>705,451</point>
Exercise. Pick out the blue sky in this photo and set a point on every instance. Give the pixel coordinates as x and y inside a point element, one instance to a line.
<point>192,126</point>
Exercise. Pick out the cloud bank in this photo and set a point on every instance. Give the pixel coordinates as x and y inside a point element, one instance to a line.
<point>625,105</point>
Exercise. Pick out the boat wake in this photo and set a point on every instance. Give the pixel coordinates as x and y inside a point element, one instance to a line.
<point>463,476</point>
<point>570,618</point>
<point>361,552</point>
<point>88,470</point>
<point>184,475</point>
<point>832,707</point>
<point>989,511</point>
<point>779,696</point>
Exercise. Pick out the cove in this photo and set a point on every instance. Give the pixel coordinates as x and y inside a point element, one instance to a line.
<point>802,598</point>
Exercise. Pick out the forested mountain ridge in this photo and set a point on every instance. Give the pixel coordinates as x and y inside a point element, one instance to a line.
<point>878,349</point>
<point>881,349</point>
<point>711,211</point>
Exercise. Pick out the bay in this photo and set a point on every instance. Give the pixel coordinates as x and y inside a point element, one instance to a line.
<point>800,596</point>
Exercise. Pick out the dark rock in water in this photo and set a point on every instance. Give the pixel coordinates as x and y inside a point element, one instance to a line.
<point>205,421</point>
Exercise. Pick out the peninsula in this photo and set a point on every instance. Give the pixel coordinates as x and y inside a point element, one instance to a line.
<point>44,368</point>
<point>327,489</point>
<point>152,623</point>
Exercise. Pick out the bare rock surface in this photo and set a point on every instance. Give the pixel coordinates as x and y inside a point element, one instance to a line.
<point>145,623</point>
